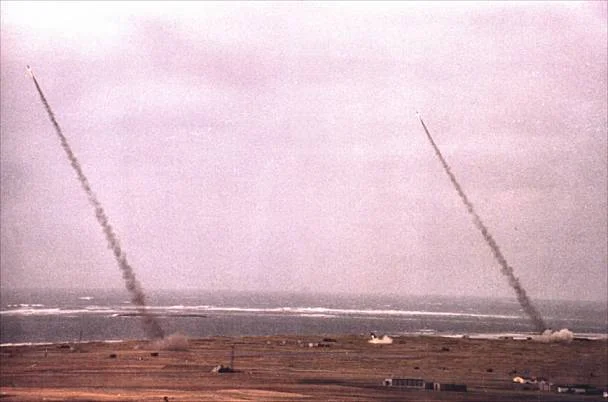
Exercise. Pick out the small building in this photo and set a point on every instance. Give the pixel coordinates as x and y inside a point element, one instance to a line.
<point>577,389</point>
<point>404,382</point>
<point>533,383</point>
<point>222,369</point>
<point>418,383</point>
<point>437,386</point>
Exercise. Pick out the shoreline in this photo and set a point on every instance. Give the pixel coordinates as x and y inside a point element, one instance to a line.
<point>519,336</point>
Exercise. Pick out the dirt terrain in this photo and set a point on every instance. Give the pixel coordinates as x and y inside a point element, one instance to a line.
<point>341,368</point>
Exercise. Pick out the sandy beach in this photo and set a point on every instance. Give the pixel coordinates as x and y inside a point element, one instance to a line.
<point>344,368</point>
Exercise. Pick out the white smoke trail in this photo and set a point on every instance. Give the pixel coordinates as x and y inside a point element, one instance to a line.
<point>150,324</point>
<point>506,269</point>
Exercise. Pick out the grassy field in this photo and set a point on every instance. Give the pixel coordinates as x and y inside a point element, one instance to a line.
<point>344,368</point>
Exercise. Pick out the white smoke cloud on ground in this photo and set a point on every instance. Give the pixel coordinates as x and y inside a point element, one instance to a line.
<point>563,335</point>
<point>174,342</point>
<point>384,340</point>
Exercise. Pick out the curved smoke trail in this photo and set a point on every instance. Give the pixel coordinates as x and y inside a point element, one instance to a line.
<point>505,269</point>
<point>150,324</point>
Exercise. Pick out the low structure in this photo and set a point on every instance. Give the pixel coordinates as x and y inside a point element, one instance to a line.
<point>418,383</point>
<point>222,369</point>
<point>404,382</point>
<point>578,389</point>
<point>437,386</point>
<point>540,383</point>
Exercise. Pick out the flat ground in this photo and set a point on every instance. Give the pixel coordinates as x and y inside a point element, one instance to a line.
<point>345,368</point>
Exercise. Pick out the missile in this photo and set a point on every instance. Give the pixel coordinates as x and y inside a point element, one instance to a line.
<point>29,70</point>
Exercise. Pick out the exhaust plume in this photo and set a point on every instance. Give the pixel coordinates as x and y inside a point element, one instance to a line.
<point>383,340</point>
<point>151,326</point>
<point>506,269</point>
<point>563,335</point>
<point>175,342</point>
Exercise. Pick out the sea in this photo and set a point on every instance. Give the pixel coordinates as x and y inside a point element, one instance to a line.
<point>72,315</point>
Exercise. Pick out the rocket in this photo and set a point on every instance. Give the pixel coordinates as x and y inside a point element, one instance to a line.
<point>29,70</point>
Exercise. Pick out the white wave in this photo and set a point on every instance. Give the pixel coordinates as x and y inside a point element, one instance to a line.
<point>2,345</point>
<point>101,309</point>
<point>335,311</point>
<point>315,315</point>
<point>55,311</point>
<point>86,297</point>
<point>59,343</point>
<point>363,312</point>
<point>33,311</point>
<point>519,336</point>
<point>25,305</point>
<point>298,311</point>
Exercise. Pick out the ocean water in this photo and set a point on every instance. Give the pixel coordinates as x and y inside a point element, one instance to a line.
<point>37,316</point>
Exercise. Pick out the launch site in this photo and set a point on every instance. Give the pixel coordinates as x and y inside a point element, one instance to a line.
<point>303,201</point>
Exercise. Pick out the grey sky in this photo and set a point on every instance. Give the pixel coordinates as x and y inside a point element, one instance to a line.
<point>275,146</point>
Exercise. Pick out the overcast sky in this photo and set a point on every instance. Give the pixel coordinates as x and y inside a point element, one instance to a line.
<point>275,146</point>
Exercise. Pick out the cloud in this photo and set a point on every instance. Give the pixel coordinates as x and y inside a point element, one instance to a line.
<point>281,137</point>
